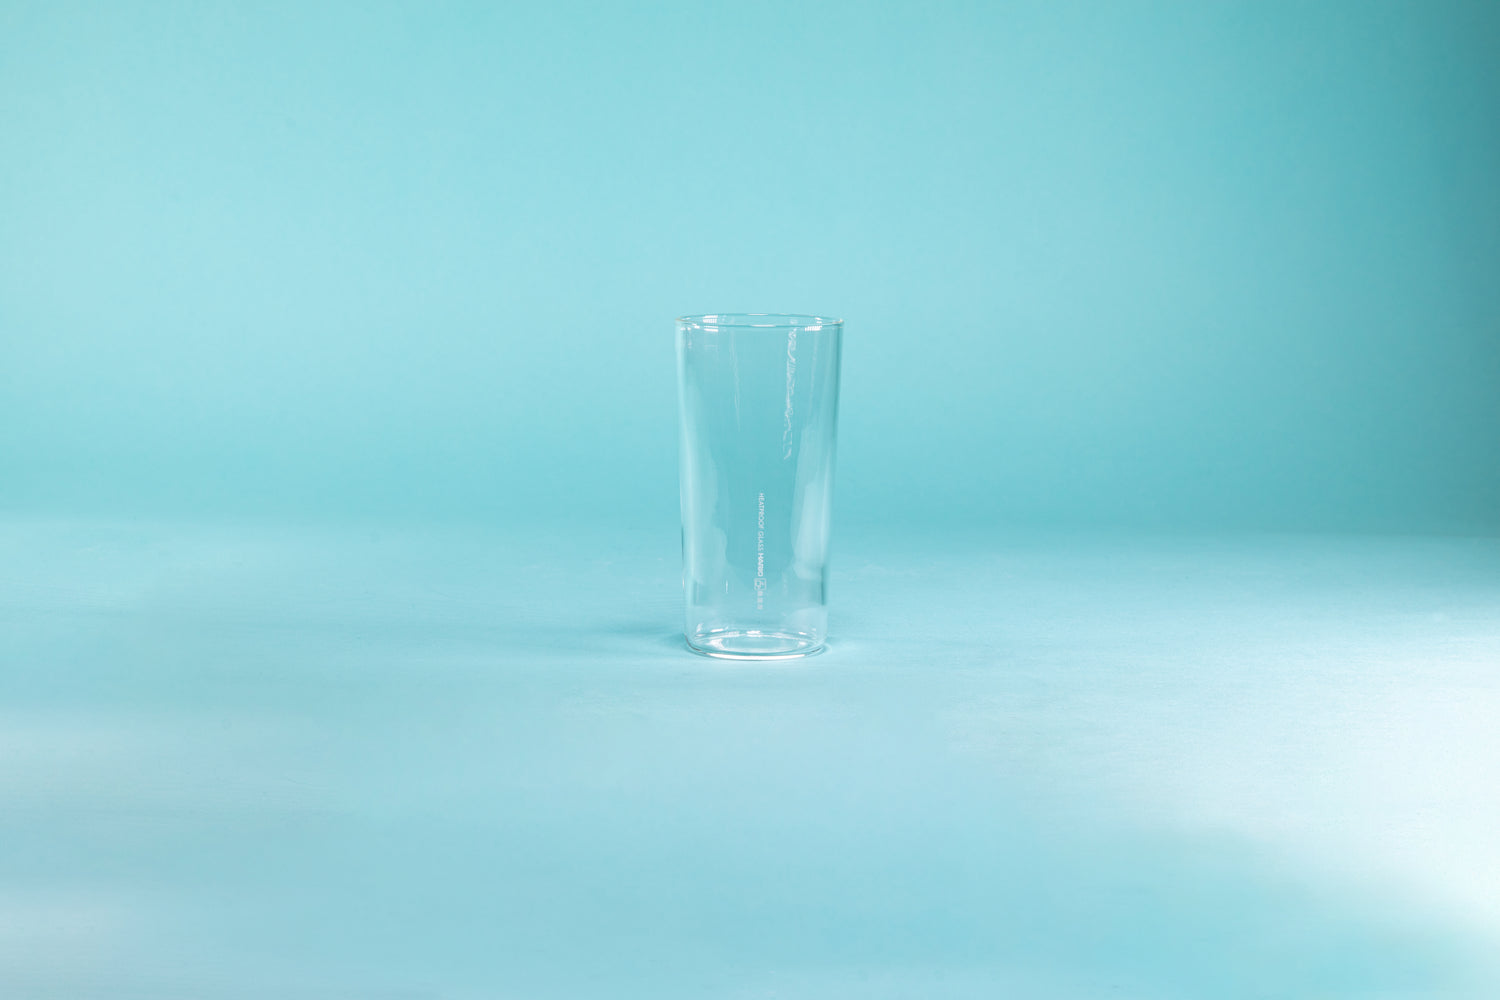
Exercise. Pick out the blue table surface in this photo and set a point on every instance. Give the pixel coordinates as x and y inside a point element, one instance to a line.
<point>441,762</point>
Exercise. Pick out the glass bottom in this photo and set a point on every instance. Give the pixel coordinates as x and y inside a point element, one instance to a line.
<point>754,644</point>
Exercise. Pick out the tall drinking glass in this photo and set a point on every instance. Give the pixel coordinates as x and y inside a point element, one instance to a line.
<point>758,398</point>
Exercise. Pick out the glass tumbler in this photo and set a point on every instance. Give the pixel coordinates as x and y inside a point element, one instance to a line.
<point>758,408</point>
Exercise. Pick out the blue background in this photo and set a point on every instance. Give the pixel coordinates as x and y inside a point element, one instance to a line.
<point>1152,263</point>
<point>339,578</point>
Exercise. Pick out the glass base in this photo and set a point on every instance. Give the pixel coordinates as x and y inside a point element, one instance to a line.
<point>754,644</point>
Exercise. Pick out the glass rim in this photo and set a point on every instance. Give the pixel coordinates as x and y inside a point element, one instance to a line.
<point>759,321</point>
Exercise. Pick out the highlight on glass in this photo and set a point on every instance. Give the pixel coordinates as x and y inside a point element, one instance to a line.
<point>758,413</point>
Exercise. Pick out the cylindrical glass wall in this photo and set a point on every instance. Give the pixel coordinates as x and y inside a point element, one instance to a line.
<point>758,404</point>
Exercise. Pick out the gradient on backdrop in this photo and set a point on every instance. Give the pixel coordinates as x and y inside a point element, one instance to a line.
<point>1162,264</point>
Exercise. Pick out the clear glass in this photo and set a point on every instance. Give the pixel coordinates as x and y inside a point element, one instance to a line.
<point>758,405</point>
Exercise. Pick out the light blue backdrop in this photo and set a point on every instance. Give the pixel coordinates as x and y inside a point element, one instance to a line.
<point>1211,265</point>
<point>1196,265</point>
